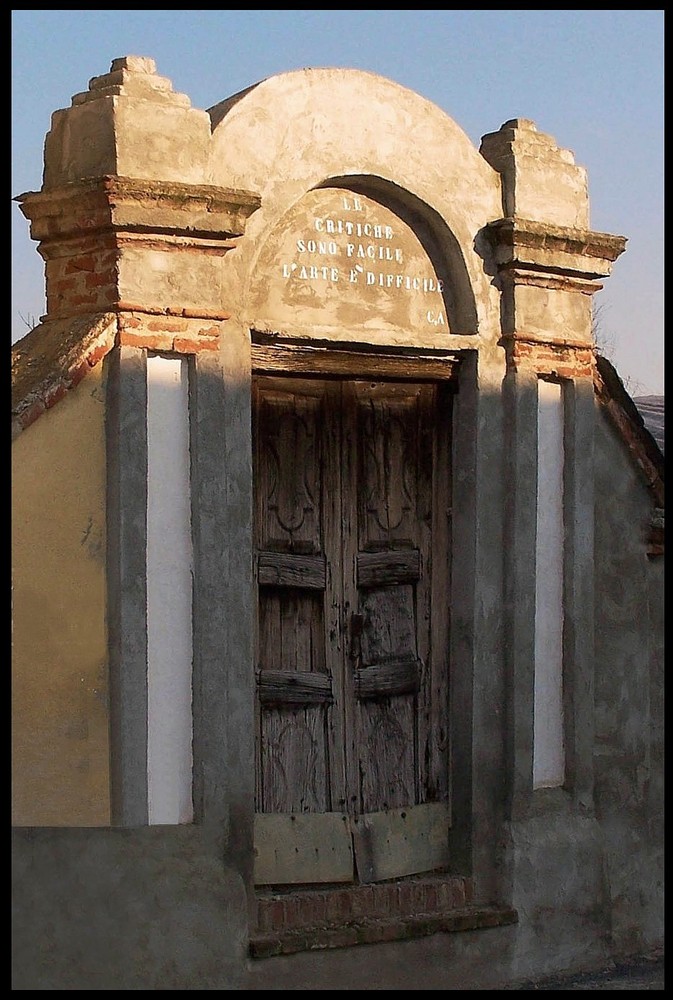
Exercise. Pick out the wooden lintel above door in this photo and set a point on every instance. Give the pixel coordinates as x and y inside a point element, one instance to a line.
<point>349,360</point>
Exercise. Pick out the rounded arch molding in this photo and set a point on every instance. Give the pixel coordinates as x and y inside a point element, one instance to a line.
<point>296,136</point>
<point>358,253</point>
<point>438,241</point>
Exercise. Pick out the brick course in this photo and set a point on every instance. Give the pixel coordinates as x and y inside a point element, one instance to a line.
<point>297,920</point>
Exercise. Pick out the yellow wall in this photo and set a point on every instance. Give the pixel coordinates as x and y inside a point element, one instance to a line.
<point>59,657</point>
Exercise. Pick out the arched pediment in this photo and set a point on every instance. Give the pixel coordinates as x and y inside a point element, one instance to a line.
<point>309,124</point>
<point>313,141</point>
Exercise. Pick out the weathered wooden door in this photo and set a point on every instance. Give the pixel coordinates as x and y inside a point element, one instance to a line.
<point>351,532</point>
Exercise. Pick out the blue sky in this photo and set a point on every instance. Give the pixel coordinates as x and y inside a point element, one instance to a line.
<point>592,79</point>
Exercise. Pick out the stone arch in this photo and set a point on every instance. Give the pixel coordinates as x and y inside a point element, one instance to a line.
<point>297,133</point>
<point>404,273</point>
<point>437,239</point>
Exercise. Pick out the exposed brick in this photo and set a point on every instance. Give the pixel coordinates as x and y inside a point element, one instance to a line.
<point>78,372</point>
<point>369,931</point>
<point>271,915</point>
<point>210,331</point>
<point>96,354</point>
<point>463,921</point>
<point>321,907</point>
<point>431,898</point>
<point>419,902</point>
<point>339,906</point>
<point>445,895</point>
<point>129,321</point>
<point>81,264</point>
<point>312,910</point>
<point>418,895</point>
<point>99,278</point>
<point>293,908</point>
<point>167,325</point>
<point>562,360</point>
<point>340,937</point>
<point>54,394</point>
<point>186,345</point>
<point>406,893</point>
<point>297,942</point>
<point>31,413</point>
<point>363,902</point>
<point>374,932</point>
<point>140,339</point>
<point>265,947</point>
<point>61,285</point>
<point>81,300</point>
<point>392,898</point>
<point>458,893</point>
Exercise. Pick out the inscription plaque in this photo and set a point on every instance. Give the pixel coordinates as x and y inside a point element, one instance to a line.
<point>345,261</point>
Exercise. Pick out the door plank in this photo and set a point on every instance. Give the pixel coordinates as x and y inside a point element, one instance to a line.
<point>350,550</point>
<point>291,630</point>
<point>395,434</point>
<point>287,569</point>
<point>389,629</point>
<point>386,753</point>
<point>303,848</point>
<point>300,770</point>
<point>401,842</point>
<point>334,631</point>
<point>381,569</point>
<point>437,736</point>
<point>351,362</point>
<point>293,756</point>
<point>381,680</point>
<point>283,687</point>
<point>288,466</point>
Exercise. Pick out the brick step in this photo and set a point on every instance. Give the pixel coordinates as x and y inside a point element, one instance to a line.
<point>306,919</point>
<point>293,908</point>
<point>372,930</point>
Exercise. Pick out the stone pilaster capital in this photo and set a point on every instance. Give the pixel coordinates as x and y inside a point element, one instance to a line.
<point>127,205</point>
<point>526,248</point>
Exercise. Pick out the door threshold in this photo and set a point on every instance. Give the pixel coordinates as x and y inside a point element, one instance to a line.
<point>292,920</point>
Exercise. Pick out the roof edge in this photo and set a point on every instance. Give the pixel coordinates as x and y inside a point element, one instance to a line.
<point>629,422</point>
<point>52,359</point>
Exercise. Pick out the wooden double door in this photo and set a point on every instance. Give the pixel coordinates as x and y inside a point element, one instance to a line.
<point>352,523</point>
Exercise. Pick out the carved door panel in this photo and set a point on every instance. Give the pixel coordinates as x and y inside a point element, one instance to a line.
<point>352,672</point>
<point>395,539</point>
<point>301,834</point>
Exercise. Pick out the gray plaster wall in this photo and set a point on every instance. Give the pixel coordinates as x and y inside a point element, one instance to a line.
<point>555,851</point>
<point>469,960</point>
<point>151,908</point>
<point>629,678</point>
<point>223,610</point>
<point>126,444</point>
<point>477,681</point>
<point>559,888</point>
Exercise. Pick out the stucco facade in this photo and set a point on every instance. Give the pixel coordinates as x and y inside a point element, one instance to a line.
<point>318,377</point>
<point>60,676</point>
